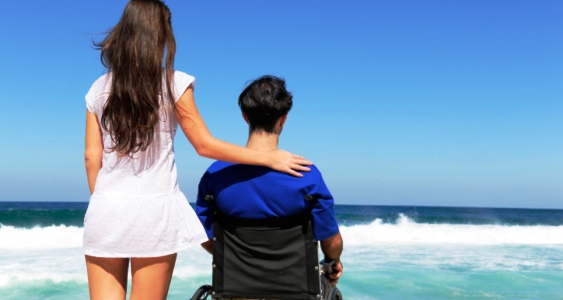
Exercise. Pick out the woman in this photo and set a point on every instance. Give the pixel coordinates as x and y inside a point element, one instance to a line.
<point>137,213</point>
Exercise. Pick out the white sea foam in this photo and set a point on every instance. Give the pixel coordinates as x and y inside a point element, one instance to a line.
<point>20,266</point>
<point>52,237</point>
<point>193,263</point>
<point>405,231</point>
<point>38,265</point>
<point>375,252</point>
<point>52,276</point>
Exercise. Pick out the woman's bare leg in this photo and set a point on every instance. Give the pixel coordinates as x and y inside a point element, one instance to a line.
<point>107,277</point>
<point>151,276</point>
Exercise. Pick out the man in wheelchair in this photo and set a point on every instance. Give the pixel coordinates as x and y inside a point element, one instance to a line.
<point>263,225</point>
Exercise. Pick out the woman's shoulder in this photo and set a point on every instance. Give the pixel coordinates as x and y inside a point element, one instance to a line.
<point>102,84</point>
<point>181,82</point>
<point>180,77</point>
<point>103,80</point>
<point>99,88</point>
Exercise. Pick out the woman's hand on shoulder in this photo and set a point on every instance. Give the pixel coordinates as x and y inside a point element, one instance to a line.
<point>286,162</point>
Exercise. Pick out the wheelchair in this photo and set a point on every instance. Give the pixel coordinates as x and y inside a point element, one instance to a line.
<point>275,258</point>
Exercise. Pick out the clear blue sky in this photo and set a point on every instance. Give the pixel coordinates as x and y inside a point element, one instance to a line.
<point>450,103</point>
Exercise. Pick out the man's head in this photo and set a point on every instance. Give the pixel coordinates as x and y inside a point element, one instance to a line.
<point>263,102</point>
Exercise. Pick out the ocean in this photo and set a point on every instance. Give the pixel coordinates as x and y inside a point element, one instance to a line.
<point>390,252</point>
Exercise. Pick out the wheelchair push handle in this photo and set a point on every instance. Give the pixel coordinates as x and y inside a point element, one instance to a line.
<point>327,266</point>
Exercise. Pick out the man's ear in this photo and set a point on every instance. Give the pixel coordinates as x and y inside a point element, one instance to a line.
<point>245,117</point>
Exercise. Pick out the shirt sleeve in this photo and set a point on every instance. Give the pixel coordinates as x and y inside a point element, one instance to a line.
<point>89,101</point>
<point>324,218</point>
<point>97,94</point>
<point>181,83</point>
<point>205,209</point>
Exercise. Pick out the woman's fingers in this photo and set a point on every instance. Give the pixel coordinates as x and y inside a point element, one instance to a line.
<point>290,163</point>
<point>293,173</point>
<point>301,160</point>
<point>299,164</point>
<point>300,167</point>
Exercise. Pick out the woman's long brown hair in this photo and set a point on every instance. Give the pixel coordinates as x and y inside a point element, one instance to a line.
<point>134,53</point>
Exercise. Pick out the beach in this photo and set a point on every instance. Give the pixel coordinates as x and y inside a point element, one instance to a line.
<point>390,252</point>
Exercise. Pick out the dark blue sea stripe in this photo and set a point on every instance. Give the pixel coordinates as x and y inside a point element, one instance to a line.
<point>32,214</point>
<point>42,214</point>
<point>362,214</point>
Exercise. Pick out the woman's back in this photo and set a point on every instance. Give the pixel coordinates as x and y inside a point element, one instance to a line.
<point>137,209</point>
<point>144,173</point>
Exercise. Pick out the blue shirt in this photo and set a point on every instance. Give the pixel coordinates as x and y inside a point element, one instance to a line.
<point>256,192</point>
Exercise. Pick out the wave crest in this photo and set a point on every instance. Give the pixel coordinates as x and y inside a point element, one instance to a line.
<point>406,231</point>
<point>51,237</point>
<point>403,231</point>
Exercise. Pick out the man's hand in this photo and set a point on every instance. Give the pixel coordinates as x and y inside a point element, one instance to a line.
<point>208,246</point>
<point>332,249</point>
<point>337,270</point>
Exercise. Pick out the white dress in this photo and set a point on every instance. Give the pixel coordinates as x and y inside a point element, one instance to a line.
<point>137,209</point>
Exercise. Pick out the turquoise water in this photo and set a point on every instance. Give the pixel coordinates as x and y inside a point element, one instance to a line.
<point>390,253</point>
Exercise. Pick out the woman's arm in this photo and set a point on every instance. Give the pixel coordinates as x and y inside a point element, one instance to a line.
<point>208,146</point>
<point>93,149</point>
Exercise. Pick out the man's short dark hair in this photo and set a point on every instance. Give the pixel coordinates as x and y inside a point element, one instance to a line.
<point>264,101</point>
